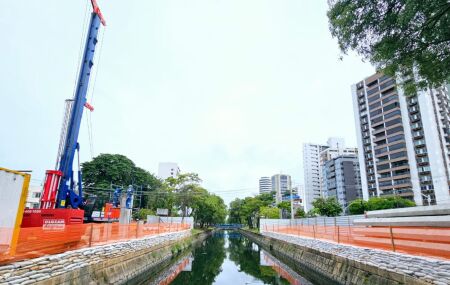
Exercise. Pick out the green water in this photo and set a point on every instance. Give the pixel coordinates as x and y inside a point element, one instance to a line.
<point>229,258</point>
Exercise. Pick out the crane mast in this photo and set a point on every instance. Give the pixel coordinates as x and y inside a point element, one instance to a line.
<point>66,192</point>
<point>59,201</point>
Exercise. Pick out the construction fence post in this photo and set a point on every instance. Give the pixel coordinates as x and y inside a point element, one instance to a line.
<point>392,238</point>
<point>338,234</point>
<point>90,234</point>
<point>137,229</point>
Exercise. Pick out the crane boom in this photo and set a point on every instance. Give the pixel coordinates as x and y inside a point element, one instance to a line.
<point>66,194</point>
<point>60,204</point>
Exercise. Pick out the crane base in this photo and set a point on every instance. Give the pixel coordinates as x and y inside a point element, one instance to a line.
<point>51,218</point>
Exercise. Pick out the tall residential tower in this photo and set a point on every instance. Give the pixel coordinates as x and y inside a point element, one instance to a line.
<point>281,185</point>
<point>265,185</point>
<point>314,157</point>
<point>403,141</point>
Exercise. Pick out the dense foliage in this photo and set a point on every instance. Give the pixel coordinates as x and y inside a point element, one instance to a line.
<point>116,169</point>
<point>359,206</point>
<point>107,171</point>
<point>182,195</point>
<point>398,36</point>
<point>269,212</point>
<point>300,213</point>
<point>327,206</point>
<point>248,210</point>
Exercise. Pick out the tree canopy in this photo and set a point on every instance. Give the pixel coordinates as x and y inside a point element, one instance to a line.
<point>250,209</point>
<point>116,169</point>
<point>182,194</point>
<point>359,206</point>
<point>327,206</point>
<point>107,171</point>
<point>397,36</point>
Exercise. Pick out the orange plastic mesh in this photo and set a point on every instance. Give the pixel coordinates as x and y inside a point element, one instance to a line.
<point>35,242</point>
<point>424,241</point>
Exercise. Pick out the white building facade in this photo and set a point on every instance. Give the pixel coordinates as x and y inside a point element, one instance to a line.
<point>403,141</point>
<point>265,185</point>
<point>314,157</point>
<point>281,185</point>
<point>168,169</point>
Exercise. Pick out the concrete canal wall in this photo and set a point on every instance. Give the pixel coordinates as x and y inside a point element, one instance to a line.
<point>109,264</point>
<point>323,265</point>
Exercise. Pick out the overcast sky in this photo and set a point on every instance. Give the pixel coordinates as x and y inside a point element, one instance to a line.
<point>229,89</point>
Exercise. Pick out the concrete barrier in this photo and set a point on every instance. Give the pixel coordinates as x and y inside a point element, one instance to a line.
<point>435,210</point>
<point>425,221</point>
<point>321,265</point>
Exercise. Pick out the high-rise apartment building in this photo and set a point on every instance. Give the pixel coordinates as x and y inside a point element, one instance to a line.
<point>341,179</point>
<point>168,169</point>
<point>265,185</point>
<point>314,157</point>
<point>403,141</point>
<point>281,185</point>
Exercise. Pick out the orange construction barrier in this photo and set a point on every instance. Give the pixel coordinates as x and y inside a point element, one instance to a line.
<point>39,241</point>
<point>423,241</point>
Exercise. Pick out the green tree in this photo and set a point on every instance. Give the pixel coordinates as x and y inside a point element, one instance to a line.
<point>383,203</point>
<point>285,206</point>
<point>357,207</point>
<point>250,211</point>
<point>142,214</point>
<point>312,213</point>
<point>209,210</point>
<point>327,206</point>
<point>360,206</point>
<point>185,189</point>
<point>269,212</point>
<point>105,170</point>
<point>266,198</point>
<point>397,36</point>
<point>234,213</point>
<point>300,213</point>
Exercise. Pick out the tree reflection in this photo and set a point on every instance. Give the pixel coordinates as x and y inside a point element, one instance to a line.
<point>206,265</point>
<point>246,255</point>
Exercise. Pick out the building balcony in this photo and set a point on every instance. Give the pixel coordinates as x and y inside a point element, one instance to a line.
<point>413,109</point>
<point>426,178</point>
<point>412,101</point>
<point>415,118</point>
<point>423,160</point>
<point>419,142</point>
<point>421,151</point>
<point>416,126</point>
<point>424,169</point>
<point>397,192</point>
<point>418,134</point>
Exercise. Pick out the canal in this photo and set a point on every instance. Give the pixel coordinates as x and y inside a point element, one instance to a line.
<point>227,258</point>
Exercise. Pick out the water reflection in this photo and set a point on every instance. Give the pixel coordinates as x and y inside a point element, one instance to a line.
<point>230,258</point>
<point>206,265</point>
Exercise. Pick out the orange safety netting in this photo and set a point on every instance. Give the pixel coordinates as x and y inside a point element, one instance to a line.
<point>39,241</point>
<point>424,241</point>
